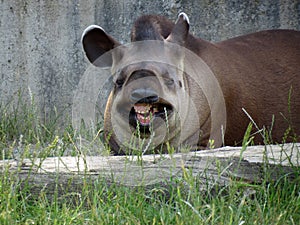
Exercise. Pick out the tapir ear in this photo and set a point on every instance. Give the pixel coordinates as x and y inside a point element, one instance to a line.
<point>96,42</point>
<point>180,30</point>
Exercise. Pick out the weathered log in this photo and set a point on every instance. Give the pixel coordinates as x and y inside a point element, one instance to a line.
<point>220,166</point>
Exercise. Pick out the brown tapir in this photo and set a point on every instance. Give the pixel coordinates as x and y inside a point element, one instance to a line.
<point>171,88</point>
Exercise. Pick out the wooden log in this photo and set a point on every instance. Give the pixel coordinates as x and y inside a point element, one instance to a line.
<point>220,166</point>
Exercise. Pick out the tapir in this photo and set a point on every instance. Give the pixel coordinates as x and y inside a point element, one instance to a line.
<point>174,90</point>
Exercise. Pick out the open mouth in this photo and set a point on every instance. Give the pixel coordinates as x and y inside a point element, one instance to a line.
<point>143,114</point>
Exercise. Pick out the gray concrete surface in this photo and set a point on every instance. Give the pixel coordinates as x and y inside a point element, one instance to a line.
<point>40,39</point>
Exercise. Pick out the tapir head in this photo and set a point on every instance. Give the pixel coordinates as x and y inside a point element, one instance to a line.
<point>149,90</point>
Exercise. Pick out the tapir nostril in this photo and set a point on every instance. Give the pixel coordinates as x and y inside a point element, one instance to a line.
<point>150,99</point>
<point>144,96</point>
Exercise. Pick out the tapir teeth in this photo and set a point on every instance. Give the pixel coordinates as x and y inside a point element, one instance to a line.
<point>145,113</point>
<point>142,108</point>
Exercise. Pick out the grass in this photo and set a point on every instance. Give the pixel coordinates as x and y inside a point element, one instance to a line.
<point>180,201</point>
<point>100,203</point>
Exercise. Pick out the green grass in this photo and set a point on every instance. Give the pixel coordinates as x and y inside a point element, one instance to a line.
<point>100,203</point>
<point>179,201</point>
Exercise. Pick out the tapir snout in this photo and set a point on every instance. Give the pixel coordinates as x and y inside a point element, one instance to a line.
<point>142,95</point>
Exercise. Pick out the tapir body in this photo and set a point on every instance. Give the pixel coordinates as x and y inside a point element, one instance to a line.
<point>258,75</point>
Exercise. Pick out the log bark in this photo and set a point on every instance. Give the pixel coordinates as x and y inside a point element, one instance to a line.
<point>255,164</point>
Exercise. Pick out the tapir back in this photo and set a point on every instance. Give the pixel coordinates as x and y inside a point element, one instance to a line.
<point>260,76</point>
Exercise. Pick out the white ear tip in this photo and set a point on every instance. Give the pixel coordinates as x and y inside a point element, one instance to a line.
<point>89,28</point>
<point>185,17</point>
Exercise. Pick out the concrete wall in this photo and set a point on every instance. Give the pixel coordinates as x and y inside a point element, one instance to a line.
<point>40,39</point>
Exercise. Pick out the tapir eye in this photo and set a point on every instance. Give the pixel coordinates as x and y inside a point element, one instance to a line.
<point>119,83</point>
